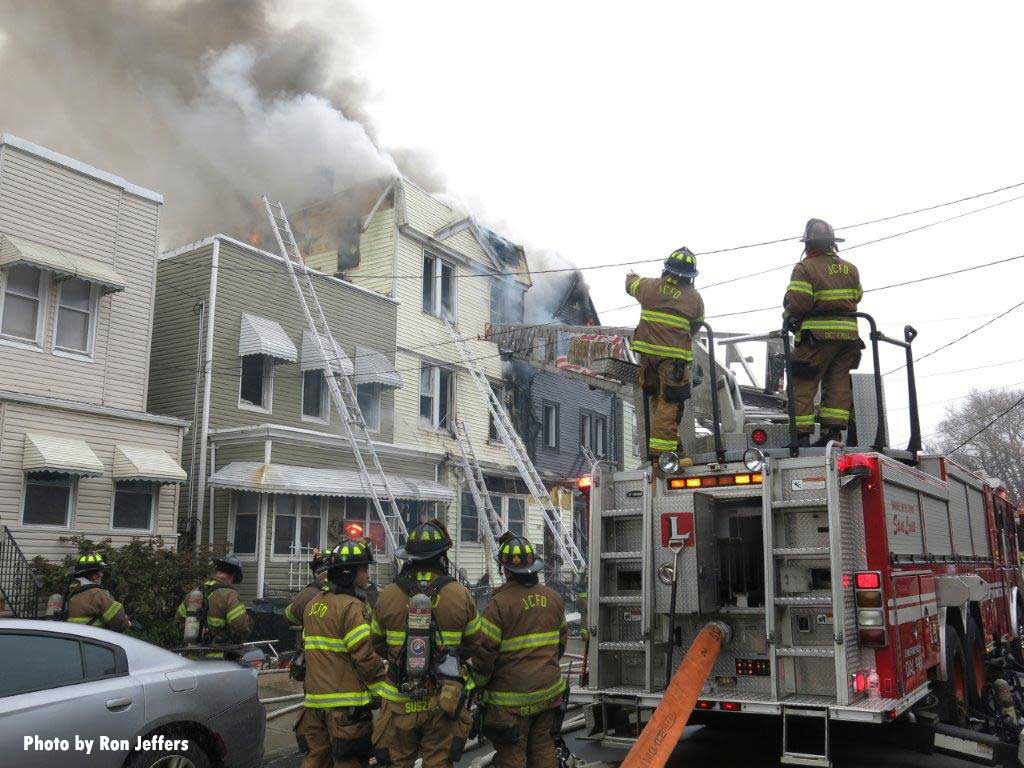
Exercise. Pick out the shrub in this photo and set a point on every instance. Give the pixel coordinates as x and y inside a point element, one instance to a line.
<point>149,578</point>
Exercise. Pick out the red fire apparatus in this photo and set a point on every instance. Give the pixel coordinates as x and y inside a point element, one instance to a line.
<point>859,583</point>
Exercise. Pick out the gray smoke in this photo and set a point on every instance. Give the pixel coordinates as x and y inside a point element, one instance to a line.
<point>549,288</point>
<point>210,102</point>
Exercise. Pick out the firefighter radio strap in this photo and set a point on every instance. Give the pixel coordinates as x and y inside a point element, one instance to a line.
<point>427,665</point>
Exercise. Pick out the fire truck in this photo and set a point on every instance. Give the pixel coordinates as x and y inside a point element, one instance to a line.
<point>860,582</point>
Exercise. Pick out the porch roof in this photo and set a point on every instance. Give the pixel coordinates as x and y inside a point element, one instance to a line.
<point>313,481</point>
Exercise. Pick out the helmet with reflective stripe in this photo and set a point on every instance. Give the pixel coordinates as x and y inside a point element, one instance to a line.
<point>88,562</point>
<point>426,541</point>
<point>349,554</point>
<point>517,554</point>
<point>682,263</point>
<point>229,564</point>
<point>819,233</point>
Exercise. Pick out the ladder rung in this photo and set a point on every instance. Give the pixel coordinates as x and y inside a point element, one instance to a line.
<point>621,555</point>
<point>634,647</point>
<point>804,758</point>
<point>621,600</point>
<point>807,651</point>
<point>805,600</point>
<point>621,513</point>
<point>801,504</point>
<point>792,552</point>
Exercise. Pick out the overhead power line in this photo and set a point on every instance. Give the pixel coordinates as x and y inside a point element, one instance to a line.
<point>998,416</point>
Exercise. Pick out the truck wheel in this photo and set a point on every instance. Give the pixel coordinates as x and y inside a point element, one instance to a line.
<point>954,701</point>
<point>975,657</point>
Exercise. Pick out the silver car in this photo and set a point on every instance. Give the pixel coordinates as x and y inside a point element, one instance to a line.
<point>74,695</point>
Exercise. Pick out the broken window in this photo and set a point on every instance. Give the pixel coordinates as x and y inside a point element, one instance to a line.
<point>256,382</point>
<point>314,395</point>
<point>369,403</point>
<point>438,287</point>
<point>437,397</point>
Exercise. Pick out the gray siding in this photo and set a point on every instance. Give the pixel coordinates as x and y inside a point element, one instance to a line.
<point>53,205</point>
<point>94,498</point>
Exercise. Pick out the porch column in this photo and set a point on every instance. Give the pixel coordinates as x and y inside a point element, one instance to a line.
<point>261,544</point>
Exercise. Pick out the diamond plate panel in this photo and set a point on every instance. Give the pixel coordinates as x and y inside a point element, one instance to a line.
<point>805,529</point>
<point>855,558</point>
<point>814,677</point>
<point>748,642</point>
<point>864,409</point>
<point>623,535</point>
<point>803,482</point>
<point>811,626</point>
<point>624,624</point>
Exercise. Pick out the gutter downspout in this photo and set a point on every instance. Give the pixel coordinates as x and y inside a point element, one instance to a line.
<point>201,308</point>
<point>213,463</point>
<point>204,429</point>
<point>264,522</point>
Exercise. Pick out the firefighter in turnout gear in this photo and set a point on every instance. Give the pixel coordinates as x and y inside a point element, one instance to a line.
<point>670,308</point>
<point>224,620</point>
<point>426,623</point>
<point>523,636</point>
<point>89,603</point>
<point>826,347</point>
<point>297,607</point>
<point>343,671</point>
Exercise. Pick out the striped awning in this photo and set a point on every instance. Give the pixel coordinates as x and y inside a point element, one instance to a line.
<point>372,367</point>
<point>51,453</point>
<point>15,251</point>
<point>142,463</point>
<point>312,481</point>
<point>311,360</point>
<point>260,336</point>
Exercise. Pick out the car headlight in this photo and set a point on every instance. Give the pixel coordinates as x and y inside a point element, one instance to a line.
<point>753,459</point>
<point>668,462</point>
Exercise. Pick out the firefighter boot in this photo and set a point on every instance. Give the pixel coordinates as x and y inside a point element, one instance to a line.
<point>828,435</point>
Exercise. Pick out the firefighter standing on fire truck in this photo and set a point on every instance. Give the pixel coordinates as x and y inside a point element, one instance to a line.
<point>342,668</point>
<point>523,636</point>
<point>670,305</point>
<point>826,347</point>
<point>88,602</point>
<point>432,725</point>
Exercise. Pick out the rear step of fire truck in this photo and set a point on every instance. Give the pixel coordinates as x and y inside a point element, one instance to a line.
<point>791,757</point>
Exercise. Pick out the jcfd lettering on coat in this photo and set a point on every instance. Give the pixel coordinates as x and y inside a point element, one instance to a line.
<point>318,609</point>
<point>670,290</point>
<point>534,601</point>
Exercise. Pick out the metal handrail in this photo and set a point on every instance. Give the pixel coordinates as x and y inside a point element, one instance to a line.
<point>716,414</point>
<point>876,336</point>
<point>19,584</point>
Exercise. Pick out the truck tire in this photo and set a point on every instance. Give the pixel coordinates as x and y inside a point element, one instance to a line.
<point>953,695</point>
<point>974,654</point>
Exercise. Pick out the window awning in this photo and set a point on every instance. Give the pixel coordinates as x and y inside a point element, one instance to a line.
<point>260,336</point>
<point>311,481</point>
<point>50,453</point>
<point>142,463</point>
<point>15,251</point>
<point>372,367</point>
<point>311,360</point>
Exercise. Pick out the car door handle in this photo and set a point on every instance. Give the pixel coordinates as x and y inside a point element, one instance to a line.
<point>117,705</point>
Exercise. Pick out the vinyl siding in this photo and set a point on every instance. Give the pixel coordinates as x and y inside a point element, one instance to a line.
<point>93,506</point>
<point>377,253</point>
<point>56,206</point>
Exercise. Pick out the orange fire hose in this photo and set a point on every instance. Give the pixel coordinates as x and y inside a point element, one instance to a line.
<point>661,734</point>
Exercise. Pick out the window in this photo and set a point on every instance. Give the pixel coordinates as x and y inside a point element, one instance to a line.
<point>436,397</point>
<point>415,512</point>
<point>99,661</point>
<point>550,425</point>
<point>314,395</point>
<point>469,522</point>
<point>636,436</point>
<point>38,662</point>
<point>296,524</point>
<point>369,403</point>
<point>22,301</point>
<point>48,498</point>
<point>247,515</point>
<point>360,520</point>
<point>601,436</point>
<point>515,516</point>
<point>586,426</point>
<point>133,504</point>
<point>438,287</point>
<point>256,382</point>
<point>76,312</point>
<point>499,392</point>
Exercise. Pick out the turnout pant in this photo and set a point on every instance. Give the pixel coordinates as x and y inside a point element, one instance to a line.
<point>338,737</point>
<point>828,364</point>
<point>535,745</point>
<point>407,730</point>
<point>666,386</point>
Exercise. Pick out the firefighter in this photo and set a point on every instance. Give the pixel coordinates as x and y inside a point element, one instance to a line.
<point>88,602</point>
<point>670,305</point>
<point>826,347</point>
<point>297,607</point>
<point>424,713</point>
<point>523,636</point>
<point>343,670</point>
<point>225,620</point>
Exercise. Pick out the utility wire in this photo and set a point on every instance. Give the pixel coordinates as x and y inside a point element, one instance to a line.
<point>987,426</point>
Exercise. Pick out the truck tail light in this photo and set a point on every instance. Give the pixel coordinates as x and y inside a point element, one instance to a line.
<point>731,706</point>
<point>870,608</point>
<point>704,704</point>
<point>860,682</point>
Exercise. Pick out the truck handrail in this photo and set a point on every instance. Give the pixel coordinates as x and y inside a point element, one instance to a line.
<point>716,416</point>
<point>881,438</point>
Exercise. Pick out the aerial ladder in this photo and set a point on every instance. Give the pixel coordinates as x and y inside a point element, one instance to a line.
<point>490,521</point>
<point>564,543</point>
<point>340,386</point>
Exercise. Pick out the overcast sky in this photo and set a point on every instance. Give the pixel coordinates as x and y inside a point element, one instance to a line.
<point>618,134</point>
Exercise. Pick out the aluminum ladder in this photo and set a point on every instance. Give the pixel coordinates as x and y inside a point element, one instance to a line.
<point>343,393</point>
<point>567,549</point>
<point>490,522</point>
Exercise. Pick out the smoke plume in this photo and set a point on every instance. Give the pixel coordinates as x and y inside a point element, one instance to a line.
<point>549,288</point>
<point>210,102</point>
